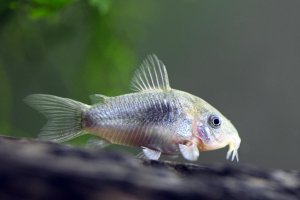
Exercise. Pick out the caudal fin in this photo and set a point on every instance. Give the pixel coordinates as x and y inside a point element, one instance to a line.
<point>64,116</point>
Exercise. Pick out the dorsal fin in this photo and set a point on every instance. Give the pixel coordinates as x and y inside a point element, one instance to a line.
<point>152,75</point>
<point>98,98</point>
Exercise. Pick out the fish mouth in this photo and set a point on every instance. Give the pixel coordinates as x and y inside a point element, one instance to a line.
<point>233,144</point>
<point>232,152</point>
<point>207,141</point>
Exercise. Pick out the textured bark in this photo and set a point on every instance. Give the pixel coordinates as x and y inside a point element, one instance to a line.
<point>43,170</point>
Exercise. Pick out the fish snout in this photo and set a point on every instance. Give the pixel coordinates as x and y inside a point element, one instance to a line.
<point>234,145</point>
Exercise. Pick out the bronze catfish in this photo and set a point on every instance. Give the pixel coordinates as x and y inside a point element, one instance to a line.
<point>155,117</point>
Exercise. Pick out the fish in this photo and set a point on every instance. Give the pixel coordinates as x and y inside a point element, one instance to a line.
<point>154,117</point>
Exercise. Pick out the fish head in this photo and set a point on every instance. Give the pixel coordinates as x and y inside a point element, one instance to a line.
<point>214,131</point>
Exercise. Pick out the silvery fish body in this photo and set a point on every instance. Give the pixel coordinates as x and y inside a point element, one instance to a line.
<point>156,118</point>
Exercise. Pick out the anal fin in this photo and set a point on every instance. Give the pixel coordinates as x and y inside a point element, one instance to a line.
<point>96,143</point>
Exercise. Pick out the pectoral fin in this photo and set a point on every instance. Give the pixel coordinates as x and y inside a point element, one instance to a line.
<point>151,154</point>
<point>189,152</point>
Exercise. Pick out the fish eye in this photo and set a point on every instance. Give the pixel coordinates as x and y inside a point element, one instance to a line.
<point>214,121</point>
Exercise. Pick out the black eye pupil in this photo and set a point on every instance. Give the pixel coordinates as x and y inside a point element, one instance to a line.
<point>214,121</point>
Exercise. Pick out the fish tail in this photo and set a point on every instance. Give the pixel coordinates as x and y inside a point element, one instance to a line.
<point>64,116</point>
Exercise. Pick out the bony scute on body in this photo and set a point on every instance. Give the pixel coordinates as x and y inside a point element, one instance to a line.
<point>155,117</point>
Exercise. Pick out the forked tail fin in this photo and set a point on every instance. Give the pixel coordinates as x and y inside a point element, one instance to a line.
<point>64,116</point>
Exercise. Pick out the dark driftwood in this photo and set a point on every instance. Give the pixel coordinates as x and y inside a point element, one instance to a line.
<point>42,170</point>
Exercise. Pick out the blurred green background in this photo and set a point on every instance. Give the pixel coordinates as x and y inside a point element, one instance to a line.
<point>241,56</point>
